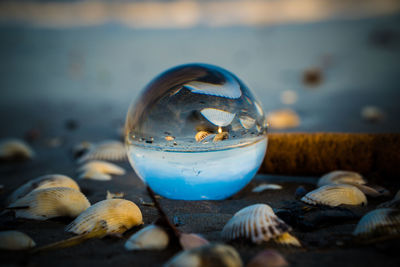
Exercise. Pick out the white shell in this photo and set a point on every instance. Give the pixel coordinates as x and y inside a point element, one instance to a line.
<point>151,237</point>
<point>341,177</point>
<point>218,117</point>
<point>283,119</point>
<point>45,181</point>
<point>247,122</point>
<point>263,187</point>
<point>230,89</point>
<point>256,222</point>
<point>106,150</point>
<point>384,221</point>
<point>43,204</point>
<point>99,170</point>
<point>119,215</point>
<point>11,149</point>
<point>15,240</point>
<point>335,195</point>
<point>208,255</point>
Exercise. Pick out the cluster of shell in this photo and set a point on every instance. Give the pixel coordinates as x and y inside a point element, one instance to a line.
<point>94,159</point>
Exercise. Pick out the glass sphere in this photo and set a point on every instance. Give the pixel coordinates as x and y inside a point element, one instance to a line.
<point>196,132</point>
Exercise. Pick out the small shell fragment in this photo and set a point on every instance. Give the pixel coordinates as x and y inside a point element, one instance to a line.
<point>47,203</point>
<point>119,215</point>
<point>341,177</point>
<point>190,241</point>
<point>208,255</point>
<point>256,222</point>
<point>151,237</point>
<point>114,195</point>
<point>288,240</point>
<point>15,149</point>
<point>263,187</point>
<point>106,150</point>
<point>283,119</point>
<point>379,222</point>
<point>99,170</point>
<point>169,138</point>
<point>335,195</point>
<point>268,258</point>
<point>221,136</point>
<point>15,240</point>
<point>45,181</point>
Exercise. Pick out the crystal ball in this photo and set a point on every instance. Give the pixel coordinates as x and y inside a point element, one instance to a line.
<point>196,132</point>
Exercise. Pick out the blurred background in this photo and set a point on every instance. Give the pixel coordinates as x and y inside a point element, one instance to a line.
<point>331,65</point>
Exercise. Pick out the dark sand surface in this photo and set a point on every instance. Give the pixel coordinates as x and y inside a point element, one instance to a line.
<point>38,93</point>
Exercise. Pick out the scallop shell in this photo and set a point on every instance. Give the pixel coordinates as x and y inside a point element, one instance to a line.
<point>335,195</point>
<point>99,170</point>
<point>208,255</point>
<point>201,135</point>
<point>218,117</point>
<point>119,215</point>
<point>14,149</point>
<point>341,177</point>
<point>15,240</point>
<point>256,222</point>
<point>151,237</point>
<point>221,136</point>
<point>379,222</point>
<point>43,204</point>
<point>45,181</point>
<point>263,187</point>
<point>106,150</point>
<point>283,119</point>
<point>268,258</point>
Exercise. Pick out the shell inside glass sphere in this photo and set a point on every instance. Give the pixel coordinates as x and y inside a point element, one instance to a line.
<point>218,128</point>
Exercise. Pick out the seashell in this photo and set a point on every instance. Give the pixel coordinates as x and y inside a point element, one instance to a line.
<point>247,122</point>
<point>15,240</point>
<point>201,135</point>
<point>394,203</point>
<point>45,181</point>
<point>223,90</point>
<point>47,203</point>
<point>335,195</point>
<point>99,170</point>
<point>288,240</point>
<point>151,237</point>
<point>268,258</point>
<point>341,177</point>
<point>372,114</point>
<point>114,195</point>
<point>119,215</point>
<point>379,222</point>
<point>218,117</point>
<point>283,119</point>
<point>208,255</point>
<point>221,136</point>
<point>106,150</point>
<point>14,149</point>
<point>169,138</point>
<point>263,187</point>
<point>256,222</point>
<point>190,241</point>
<point>289,97</point>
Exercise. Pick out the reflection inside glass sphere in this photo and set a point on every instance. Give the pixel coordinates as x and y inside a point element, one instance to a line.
<point>196,132</point>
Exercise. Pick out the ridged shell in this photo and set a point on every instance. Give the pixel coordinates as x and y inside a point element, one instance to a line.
<point>379,222</point>
<point>106,150</point>
<point>119,215</point>
<point>99,170</point>
<point>335,195</point>
<point>45,181</point>
<point>14,149</point>
<point>43,204</point>
<point>341,177</point>
<point>201,135</point>
<point>218,117</point>
<point>283,119</point>
<point>256,222</point>
<point>230,89</point>
<point>151,237</point>
<point>268,258</point>
<point>15,240</point>
<point>208,255</point>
